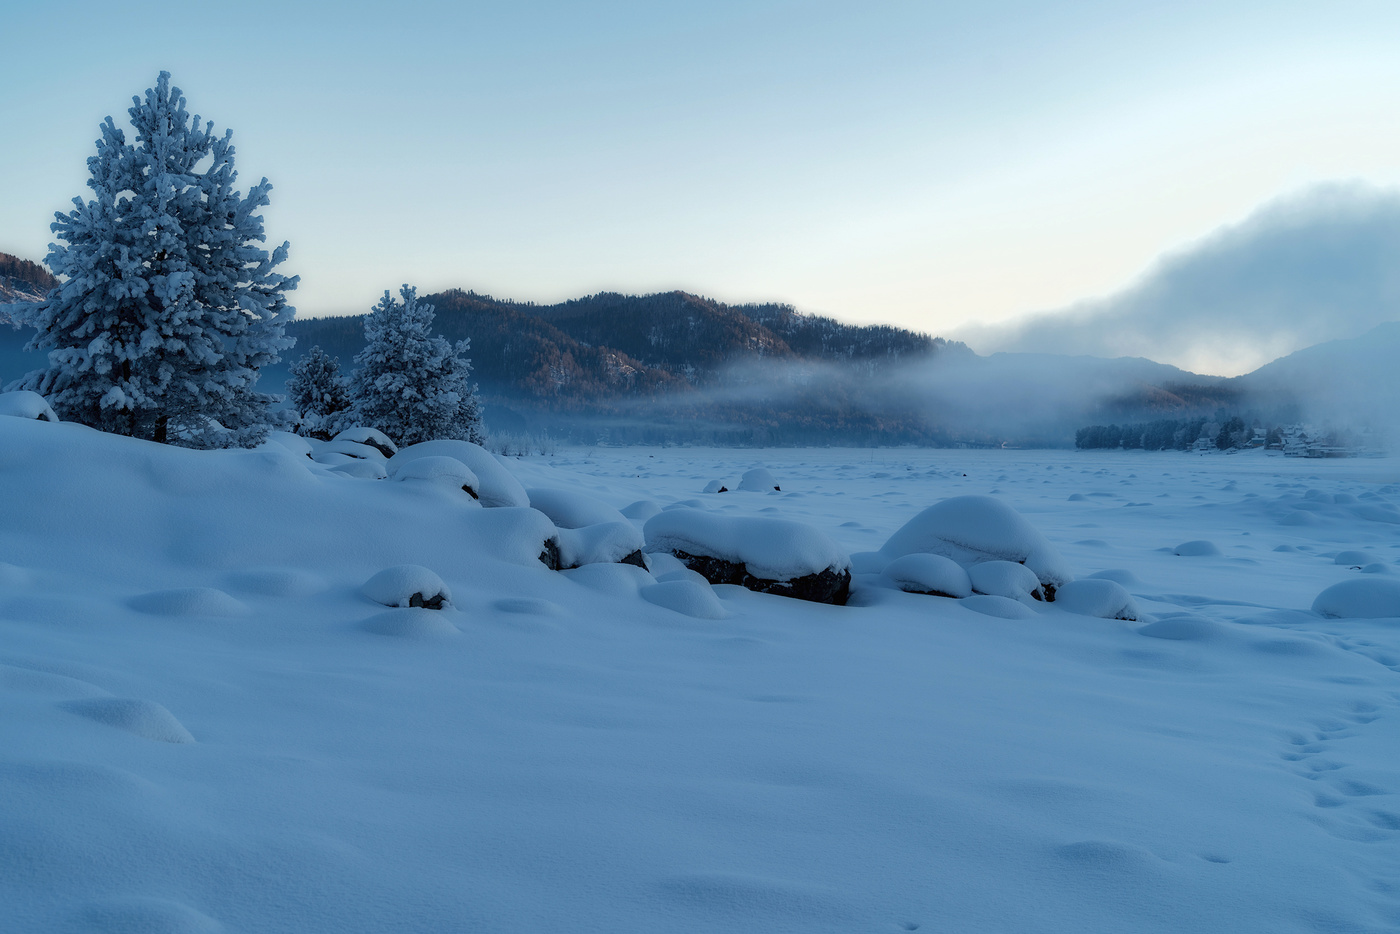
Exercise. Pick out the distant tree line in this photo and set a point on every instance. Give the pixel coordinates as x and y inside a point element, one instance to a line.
<point>22,270</point>
<point>1224,433</point>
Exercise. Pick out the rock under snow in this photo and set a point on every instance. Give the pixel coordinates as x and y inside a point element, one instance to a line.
<point>758,480</point>
<point>1196,549</point>
<point>930,574</point>
<point>441,470</point>
<point>26,404</point>
<point>1005,579</point>
<point>351,449</point>
<point>1363,598</point>
<point>1353,559</point>
<point>603,543</point>
<point>361,469</point>
<point>408,585</point>
<point>370,436</point>
<point>1097,597</point>
<point>767,555</point>
<point>498,486</point>
<point>974,529</point>
<point>569,509</point>
<point>714,486</point>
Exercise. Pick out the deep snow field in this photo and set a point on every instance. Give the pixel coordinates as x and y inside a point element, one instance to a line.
<point>206,725</point>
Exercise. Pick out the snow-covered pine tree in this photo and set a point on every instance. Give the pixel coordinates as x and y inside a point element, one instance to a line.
<point>318,393</point>
<point>168,304</point>
<point>411,385</point>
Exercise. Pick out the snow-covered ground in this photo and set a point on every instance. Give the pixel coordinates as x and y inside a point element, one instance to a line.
<point>208,723</point>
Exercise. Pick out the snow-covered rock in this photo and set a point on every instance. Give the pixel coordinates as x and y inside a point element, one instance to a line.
<point>1097,597</point>
<point>370,436</point>
<point>768,555</point>
<point>1363,598</point>
<point>440,470</point>
<point>641,510</point>
<point>930,574</point>
<point>361,469</point>
<point>715,486</point>
<point>498,487</point>
<point>1200,548</point>
<point>602,543</point>
<point>26,404</point>
<point>569,509</point>
<point>408,585</point>
<point>1353,559</point>
<point>758,480</point>
<point>974,529</point>
<point>353,449</point>
<point>291,442</point>
<point>1005,579</point>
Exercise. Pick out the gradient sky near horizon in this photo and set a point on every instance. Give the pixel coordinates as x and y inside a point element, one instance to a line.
<point>931,165</point>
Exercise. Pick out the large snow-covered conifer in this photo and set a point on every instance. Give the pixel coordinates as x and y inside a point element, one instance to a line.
<point>411,385</point>
<point>318,393</point>
<point>168,304</point>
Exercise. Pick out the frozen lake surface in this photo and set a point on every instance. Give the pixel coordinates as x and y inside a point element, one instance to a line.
<point>207,723</point>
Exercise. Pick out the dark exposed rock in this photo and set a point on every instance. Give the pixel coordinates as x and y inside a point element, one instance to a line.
<point>828,586</point>
<point>431,603</point>
<point>637,559</point>
<point>550,557</point>
<point>469,491</point>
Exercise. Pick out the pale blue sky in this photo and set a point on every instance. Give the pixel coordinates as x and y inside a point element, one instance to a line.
<point>925,164</point>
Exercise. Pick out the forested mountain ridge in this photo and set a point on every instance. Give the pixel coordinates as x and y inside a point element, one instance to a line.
<point>612,345</point>
<point>22,281</point>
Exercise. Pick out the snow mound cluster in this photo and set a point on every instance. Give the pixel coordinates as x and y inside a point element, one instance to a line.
<point>26,404</point>
<point>1364,598</point>
<point>974,530</point>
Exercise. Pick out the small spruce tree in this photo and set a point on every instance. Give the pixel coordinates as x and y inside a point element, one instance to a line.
<point>411,385</point>
<point>168,305</point>
<point>318,393</point>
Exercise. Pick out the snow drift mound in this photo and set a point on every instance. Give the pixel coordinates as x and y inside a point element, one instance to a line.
<point>1365,598</point>
<point>971,530</point>
<point>766,555</point>
<point>140,717</point>
<point>498,487</point>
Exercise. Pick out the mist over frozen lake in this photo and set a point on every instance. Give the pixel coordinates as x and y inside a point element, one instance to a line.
<point>210,725</point>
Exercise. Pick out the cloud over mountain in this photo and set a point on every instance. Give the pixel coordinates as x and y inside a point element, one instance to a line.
<point>1317,266</point>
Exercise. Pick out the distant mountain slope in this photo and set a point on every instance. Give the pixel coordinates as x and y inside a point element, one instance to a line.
<point>21,281</point>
